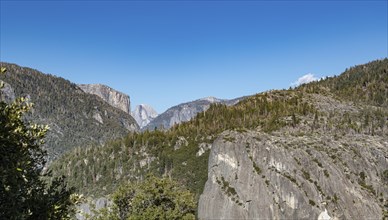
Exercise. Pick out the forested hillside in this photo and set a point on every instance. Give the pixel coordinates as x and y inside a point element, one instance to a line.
<point>75,118</point>
<point>183,151</point>
<point>366,84</point>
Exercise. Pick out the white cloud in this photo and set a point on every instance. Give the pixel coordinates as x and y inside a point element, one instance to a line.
<point>305,79</point>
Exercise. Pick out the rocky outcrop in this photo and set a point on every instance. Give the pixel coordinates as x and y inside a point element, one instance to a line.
<point>144,114</point>
<point>114,98</point>
<point>186,111</point>
<point>255,175</point>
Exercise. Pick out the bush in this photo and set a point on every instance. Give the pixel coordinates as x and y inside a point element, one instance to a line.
<point>154,198</point>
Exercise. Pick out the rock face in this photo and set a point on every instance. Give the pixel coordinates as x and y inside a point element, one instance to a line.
<point>255,175</point>
<point>114,98</point>
<point>144,114</point>
<point>186,111</point>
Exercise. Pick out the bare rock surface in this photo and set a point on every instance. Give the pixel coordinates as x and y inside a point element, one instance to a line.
<point>255,175</point>
<point>113,97</point>
<point>144,114</point>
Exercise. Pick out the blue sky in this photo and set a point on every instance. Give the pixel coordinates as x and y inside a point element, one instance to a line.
<point>167,52</point>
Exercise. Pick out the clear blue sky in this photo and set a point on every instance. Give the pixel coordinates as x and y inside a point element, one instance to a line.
<point>167,52</point>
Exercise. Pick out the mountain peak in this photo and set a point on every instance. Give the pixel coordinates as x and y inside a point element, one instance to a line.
<point>144,114</point>
<point>211,99</point>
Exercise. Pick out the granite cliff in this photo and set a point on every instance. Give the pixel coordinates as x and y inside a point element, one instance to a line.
<point>144,114</point>
<point>114,98</point>
<point>254,175</point>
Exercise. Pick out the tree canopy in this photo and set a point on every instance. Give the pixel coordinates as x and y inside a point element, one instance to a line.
<point>24,191</point>
<point>153,198</point>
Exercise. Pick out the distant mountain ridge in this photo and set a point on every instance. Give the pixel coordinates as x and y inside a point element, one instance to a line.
<point>76,118</point>
<point>113,97</point>
<point>144,114</point>
<point>146,117</point>
<point>186,111</point>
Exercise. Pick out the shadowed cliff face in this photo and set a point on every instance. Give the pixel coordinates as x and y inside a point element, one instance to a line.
<point>114,98</point>
<point>256,175</point>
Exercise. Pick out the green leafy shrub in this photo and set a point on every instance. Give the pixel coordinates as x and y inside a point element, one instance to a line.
<point>153,198</point>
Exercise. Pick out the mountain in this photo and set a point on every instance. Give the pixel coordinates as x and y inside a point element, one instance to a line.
<point>75,118</point>
<point>317,151</point>
<point>185,111</point>
<point>144,114</point>
<point>114,98</point>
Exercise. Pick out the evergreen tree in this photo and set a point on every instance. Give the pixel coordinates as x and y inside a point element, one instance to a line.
<point>24,193</point>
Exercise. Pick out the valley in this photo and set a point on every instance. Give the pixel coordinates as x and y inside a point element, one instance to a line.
<point>316,150</point>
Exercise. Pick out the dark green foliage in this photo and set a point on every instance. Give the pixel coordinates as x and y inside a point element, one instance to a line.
<point>385,176</point>
<point>362,182</point>
<point>326,173</point>
<point>291,178</point>
<point>266,110</point>
<point>107,166</point>
<point>384,203</point>
<point>317,162</point>
<point>367,87</point>
<point>335,198</point>
<point>24,193</point>
<point>298,161</point>
<point>362,176</point>
<point>306,175</point>
<point>229,139</point>
<point>257,168</point>
<point>153,198</point>
<point>319,188</point>
<point>366,83</point>
<point>66,108</point>
<point>228,189</point>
